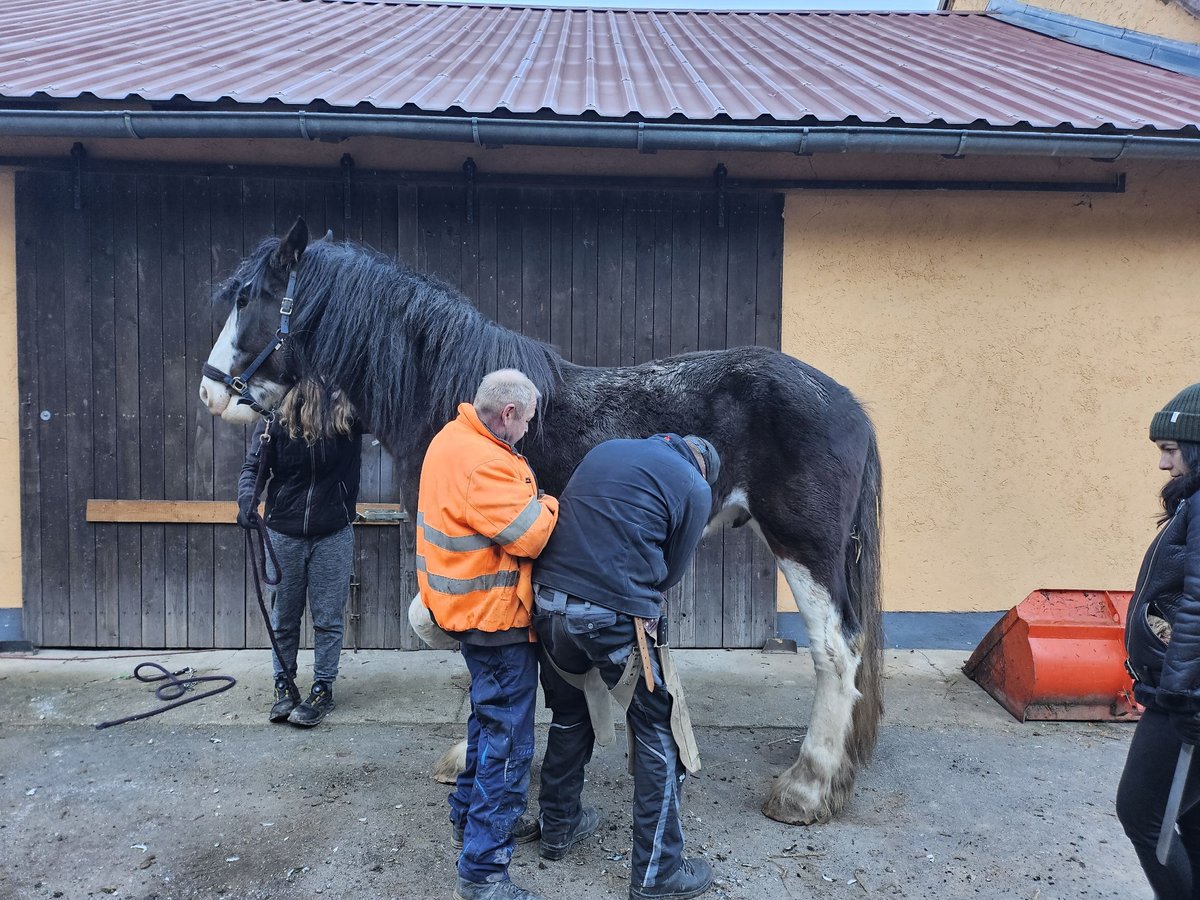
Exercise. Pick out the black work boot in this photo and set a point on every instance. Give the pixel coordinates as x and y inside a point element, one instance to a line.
<point>318,705</point>
<point>589,820</point>
<point>287,698</point>
<point>491,890</point>
<point>691,879</point>
<point>525,830</point>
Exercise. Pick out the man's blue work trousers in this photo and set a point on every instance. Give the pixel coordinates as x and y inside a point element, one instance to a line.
<point>492,790</point>
<point>579,635</point>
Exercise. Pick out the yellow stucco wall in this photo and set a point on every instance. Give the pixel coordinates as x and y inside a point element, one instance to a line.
<point>1011,349</point>
<point>1164,19</point>
<point>10,460</point>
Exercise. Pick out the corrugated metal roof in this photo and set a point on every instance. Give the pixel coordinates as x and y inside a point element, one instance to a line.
<point>874,68</point>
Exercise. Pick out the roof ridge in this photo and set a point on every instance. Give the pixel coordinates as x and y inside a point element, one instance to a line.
<point>1177,56</point>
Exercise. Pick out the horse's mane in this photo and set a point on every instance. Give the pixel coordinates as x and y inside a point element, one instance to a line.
<point>406,347</point>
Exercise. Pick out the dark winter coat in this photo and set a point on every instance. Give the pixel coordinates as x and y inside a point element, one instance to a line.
<point>312,491</point>
<point>629,521</point>
<point>1167,675</point>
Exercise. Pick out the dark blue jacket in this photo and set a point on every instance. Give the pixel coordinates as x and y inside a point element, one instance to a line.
<point>1168,585</point>
<point>629,521</point>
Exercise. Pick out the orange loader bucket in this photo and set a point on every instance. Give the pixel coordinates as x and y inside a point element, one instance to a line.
<point>1059,655</point>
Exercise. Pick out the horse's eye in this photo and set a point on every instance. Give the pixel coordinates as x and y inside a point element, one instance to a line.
<point>242,300</point>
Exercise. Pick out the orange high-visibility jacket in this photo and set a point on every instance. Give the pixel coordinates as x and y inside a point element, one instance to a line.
<point>479,523</point>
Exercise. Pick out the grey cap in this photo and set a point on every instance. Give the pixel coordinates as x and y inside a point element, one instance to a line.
<point>708,453</point>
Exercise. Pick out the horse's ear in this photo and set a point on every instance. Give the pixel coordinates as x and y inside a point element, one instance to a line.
<point>292,246</point>
<point>328,235</point>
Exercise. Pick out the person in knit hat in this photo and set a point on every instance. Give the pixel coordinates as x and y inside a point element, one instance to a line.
<point>1162,638</point>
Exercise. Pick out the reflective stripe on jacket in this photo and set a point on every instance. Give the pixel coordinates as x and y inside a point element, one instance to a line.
<point>479,523</point>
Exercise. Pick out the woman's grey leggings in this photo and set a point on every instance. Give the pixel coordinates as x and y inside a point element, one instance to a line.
<point>320,568</point>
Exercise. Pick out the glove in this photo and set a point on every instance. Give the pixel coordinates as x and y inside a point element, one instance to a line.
<point>1187,726</point>
<point>247,515</point>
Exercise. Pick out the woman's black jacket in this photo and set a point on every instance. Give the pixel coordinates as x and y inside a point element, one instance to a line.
<point>312,490</point>
<point>1167,675</point>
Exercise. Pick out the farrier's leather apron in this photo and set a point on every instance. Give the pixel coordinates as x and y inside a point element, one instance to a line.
<point>596,693</point>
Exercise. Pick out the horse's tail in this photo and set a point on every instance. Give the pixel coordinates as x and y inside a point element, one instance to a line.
<point>863,583</point>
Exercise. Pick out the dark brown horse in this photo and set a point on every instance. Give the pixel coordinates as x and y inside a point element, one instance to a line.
<point>799,459</point>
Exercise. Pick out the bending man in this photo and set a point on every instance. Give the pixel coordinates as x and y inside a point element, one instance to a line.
<point>630,519</point>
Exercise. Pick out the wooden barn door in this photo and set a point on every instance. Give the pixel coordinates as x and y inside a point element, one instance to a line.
<point>114,323</point>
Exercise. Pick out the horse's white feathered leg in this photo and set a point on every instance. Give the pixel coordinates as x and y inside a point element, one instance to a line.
<point>452,762</point>
<point>820,780</point>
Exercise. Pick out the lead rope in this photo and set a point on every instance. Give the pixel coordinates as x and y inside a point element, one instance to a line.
<point>266,548</point>
<point>175,687</point>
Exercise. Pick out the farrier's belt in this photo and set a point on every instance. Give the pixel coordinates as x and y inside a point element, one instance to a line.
<point>596,692</point>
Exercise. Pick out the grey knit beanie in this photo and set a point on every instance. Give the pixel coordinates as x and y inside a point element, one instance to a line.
<point>707,452</point>
<point>1179,420</point>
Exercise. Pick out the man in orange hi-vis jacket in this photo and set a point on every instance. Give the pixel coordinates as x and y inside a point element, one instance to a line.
<point>480,521</point>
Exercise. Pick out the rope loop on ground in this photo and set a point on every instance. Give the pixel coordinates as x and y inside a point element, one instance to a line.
<point>173,689</point>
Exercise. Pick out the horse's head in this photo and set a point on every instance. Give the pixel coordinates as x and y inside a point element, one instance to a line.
<point>248,369</point>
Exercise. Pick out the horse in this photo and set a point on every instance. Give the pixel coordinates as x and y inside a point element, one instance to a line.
<point>799,459</point>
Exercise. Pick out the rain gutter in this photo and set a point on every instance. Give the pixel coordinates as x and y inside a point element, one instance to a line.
<point>646,137</point>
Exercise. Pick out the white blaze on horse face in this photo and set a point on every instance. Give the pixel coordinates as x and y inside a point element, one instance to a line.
<point>219,400</point>
<point>213,394</point>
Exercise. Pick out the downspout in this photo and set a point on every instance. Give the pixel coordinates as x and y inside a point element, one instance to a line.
<point>646,137</point>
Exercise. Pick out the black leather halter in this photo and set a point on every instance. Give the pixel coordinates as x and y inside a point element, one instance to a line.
<point>240,384</point>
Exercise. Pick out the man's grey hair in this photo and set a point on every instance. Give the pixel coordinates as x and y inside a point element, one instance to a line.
<point>502,387</point>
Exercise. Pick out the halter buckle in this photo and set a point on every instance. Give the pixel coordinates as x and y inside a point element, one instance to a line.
<point>238,384</point>
<point>285,308</point>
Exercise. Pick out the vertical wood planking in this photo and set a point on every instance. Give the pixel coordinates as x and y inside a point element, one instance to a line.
<point>711,274</point>
<point>768,314</point>
<point>103,350</point>
<point>509,301</point>
<point>645,271</point>
<point>609,284</point>
<point>128,388</point>
<point>28,204</point>
<point>199,316</point>
<point>77,363</point>
<point>52,397</point>
<point>560,248</point>
<point>150,412</point>
<point>583,278</point>
<point>535,264</point>
<point>229,441</point>
<point>743,598</point>
<point>176,386</point>
<point>612,278</point>
<point>258,222</point>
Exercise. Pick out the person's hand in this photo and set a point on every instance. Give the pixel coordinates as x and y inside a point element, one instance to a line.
<point>1187,726</point>
<point>247,514</point>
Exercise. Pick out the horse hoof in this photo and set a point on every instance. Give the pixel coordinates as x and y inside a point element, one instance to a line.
<point>453,761</point>
<point>772,809</point>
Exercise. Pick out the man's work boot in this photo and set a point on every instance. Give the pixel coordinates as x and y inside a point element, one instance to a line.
<point>589,820</point>
<point>691,879</point>
<point>526,830</point>
<point>491,890</point>
<point>318,705</point>
<point>286,699</point>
